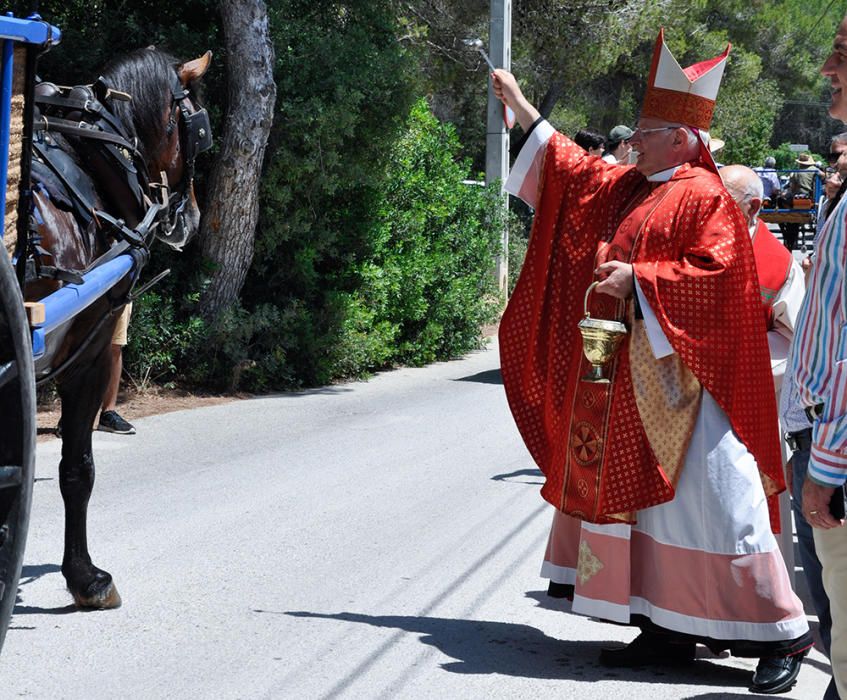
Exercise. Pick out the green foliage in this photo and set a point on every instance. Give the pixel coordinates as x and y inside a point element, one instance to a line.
<point>520,226</point>
<point>161,342</point>
<point>344,86</point>
<point>786,159</point>
<point>430,283</point>
<point>421,293</point>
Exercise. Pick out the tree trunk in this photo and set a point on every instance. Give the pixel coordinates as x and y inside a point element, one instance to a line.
<point>554,92</point>
<point>232,205</point>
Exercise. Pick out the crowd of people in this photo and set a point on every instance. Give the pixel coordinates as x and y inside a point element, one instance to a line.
<point>666,473</point>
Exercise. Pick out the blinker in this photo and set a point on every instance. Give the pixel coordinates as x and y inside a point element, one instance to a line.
<point>198,132</point>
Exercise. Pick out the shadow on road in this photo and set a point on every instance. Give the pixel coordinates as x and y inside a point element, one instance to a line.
<point>717,696</point>
<point>511,476</point>
<point>490,376</point>
<point>33,572</point>
<point>30,573</point>
<point>484,647</point>
<point>542,600</point>
<point>33,610</point>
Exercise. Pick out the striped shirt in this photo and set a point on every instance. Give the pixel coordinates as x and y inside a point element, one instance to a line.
<point>819,365</point>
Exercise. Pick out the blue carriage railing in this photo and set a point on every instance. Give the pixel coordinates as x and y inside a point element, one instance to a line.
<point>62,305</point>
<point>772,207</point>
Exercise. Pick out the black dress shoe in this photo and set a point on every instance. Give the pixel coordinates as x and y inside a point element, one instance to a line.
<point>648,650</point>
<point>776,674</point>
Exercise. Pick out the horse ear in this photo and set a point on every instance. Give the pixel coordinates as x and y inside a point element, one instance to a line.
<point>194,70</point>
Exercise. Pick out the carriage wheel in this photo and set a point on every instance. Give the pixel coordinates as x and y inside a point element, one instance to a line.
<point>17,437</point>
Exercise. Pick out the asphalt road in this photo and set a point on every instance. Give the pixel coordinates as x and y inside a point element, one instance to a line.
<point>368,540</point>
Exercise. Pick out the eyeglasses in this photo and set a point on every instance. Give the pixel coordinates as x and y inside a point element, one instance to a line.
<point>640,132</point>
<point>833,156</point>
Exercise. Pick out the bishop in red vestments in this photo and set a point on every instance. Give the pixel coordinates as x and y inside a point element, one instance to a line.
<point>661,475</point>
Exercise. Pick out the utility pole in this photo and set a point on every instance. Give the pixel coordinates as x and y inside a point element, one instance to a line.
<point>497,136</point>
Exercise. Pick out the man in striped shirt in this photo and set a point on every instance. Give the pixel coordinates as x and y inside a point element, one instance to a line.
<point>819,369</point>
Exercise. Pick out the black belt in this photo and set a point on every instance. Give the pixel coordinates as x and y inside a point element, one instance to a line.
<point>799,440</point>
<point>814,412</point>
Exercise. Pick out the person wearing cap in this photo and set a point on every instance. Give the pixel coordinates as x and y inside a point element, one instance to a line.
<point>661,476</point>
<point>716,145</point>
<point>801,183</point>
<point>618,147</point>
<point>819,369</point>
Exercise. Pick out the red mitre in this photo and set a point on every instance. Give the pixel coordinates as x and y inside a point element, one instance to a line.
<point>684,95</point>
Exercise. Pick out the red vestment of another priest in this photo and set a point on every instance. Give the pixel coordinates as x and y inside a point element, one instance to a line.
<point>693,260</point>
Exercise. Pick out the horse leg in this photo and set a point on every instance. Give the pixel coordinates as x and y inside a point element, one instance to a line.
<point>81,392</point>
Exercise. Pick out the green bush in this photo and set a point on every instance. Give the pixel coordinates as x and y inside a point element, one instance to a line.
<point>430,284</point>
<point>520,225</point>
<point>422,293</point>
<point>159,343</point>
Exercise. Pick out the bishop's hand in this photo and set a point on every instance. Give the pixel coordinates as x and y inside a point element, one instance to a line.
<point>507,91</point>
<point>615,279</point>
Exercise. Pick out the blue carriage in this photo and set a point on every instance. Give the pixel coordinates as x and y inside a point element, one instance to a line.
<point>800,212</point>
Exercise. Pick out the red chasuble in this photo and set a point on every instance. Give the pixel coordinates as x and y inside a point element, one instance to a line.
<point>773,262</point>
<point>692,255</point>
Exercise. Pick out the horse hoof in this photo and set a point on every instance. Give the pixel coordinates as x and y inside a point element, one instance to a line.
<point>107,599</point>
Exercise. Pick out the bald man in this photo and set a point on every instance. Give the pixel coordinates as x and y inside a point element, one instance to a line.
<point>780,277</point>
<point>782,304</point>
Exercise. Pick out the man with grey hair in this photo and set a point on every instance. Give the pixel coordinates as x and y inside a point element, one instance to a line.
<point>781,279</point>
<point>776,266</point>
<point>661,468</point>
<point>770,181</point>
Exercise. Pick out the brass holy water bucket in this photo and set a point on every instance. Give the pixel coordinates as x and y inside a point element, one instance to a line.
<point>600,340</point>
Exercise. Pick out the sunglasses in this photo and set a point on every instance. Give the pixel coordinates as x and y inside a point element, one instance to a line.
<point>832,157</point>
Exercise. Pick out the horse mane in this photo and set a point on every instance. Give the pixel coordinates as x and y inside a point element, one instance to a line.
<point>146,74</point>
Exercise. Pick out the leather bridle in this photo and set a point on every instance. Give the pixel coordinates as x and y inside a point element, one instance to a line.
<point>195,134</point>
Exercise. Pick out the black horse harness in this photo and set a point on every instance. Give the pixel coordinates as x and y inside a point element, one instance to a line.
<point>81,115</point>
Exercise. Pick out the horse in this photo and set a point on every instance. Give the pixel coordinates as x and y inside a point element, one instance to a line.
<point>159,131</point>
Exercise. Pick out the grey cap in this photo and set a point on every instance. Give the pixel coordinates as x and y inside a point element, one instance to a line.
<point>770,162</point>
<point>620,133</point>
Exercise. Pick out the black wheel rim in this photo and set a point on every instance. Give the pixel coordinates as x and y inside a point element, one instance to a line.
<point>17,437</point>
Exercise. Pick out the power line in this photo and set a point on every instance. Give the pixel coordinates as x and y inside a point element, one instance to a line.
<point>823,14</point>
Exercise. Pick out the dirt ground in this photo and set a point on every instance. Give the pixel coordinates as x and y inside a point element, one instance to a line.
<point>133,405</point>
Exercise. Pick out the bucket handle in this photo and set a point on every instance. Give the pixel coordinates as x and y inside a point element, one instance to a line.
<point>587,294</point>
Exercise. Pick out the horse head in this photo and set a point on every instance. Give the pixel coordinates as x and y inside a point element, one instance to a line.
<point>168,127</point>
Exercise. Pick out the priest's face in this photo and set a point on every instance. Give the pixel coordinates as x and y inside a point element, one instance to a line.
<point>835,70</point>
<point>660,145</point>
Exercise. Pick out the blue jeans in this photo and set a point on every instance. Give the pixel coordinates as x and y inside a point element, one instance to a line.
<point>808,557</point>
